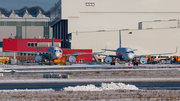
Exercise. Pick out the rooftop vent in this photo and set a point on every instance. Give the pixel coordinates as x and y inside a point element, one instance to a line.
<point>90,4</point>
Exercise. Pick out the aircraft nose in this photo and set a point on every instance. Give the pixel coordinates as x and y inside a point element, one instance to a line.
<point>131,56</point>
<point>58,55</point>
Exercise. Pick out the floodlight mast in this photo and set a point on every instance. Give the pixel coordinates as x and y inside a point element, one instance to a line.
<point>119,38</point>
<point>52,40</point>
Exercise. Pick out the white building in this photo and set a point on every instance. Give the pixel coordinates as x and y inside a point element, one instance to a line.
<point>153,24</point>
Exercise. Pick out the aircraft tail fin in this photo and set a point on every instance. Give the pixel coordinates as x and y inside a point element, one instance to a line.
<point>176,49</point>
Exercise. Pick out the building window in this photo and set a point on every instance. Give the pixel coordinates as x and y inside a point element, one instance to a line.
<point>43,44</point>
<point>32,44</point>
<point>35,44</point>
<point>1,44</point>
<point>1,23</point>
<point>29,44</point>
<point>32,23</point>
<point>5,23</point>
<point>21,54</point>
<point>46,24</point>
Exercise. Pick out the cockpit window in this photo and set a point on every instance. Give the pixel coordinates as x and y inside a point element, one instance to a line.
<point>58,51</point>
<point>130,52</point>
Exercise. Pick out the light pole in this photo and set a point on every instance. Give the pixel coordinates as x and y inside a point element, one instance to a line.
<point>37,44</point>
<point>119,38</point>
<point>25,29</point>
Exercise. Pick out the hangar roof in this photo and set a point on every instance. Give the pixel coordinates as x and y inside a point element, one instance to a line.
<point>34,12</point>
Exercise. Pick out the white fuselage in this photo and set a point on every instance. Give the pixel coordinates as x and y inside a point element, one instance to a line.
<point>55,52</point>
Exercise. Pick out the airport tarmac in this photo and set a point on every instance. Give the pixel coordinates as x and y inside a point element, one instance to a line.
<point>87,66</point>
<point>115,76</point>
<point>101,73</point>
<point>162,79</point>
<point>171,85</point>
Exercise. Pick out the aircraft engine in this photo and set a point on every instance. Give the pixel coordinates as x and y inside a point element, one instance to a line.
<point>38,58</point>
<point>108,59</point>
<point>143,60</point>
<point>72,59</point>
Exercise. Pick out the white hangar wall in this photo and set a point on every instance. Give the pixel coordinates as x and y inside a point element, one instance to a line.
<point>95,40</point>
<point>153,41</point>
<point>32,31</point>
<point>116,14</point>
<point>6,31</point>
<point>110,16</point>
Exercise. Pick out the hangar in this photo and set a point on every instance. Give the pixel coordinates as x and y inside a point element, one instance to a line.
<point>24,24</point>
<point>146,25</point>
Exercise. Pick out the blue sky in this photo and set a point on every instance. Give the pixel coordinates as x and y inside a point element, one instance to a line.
<point>18,4</point>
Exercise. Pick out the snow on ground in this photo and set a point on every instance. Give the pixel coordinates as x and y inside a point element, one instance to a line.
<point>91,87</point>
<point>28,90</point>
<point>104,86</point>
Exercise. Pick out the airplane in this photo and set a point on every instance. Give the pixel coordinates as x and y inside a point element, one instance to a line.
<point>122,53</point>
<point>127,54</point>
<point>54,53</point>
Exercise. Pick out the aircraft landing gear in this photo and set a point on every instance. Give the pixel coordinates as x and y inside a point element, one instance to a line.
<point>135,63</point>
<point>112,63</point>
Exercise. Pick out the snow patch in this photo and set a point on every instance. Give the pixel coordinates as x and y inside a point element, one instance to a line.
<point>28,90</point>
<point>104,86</point>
